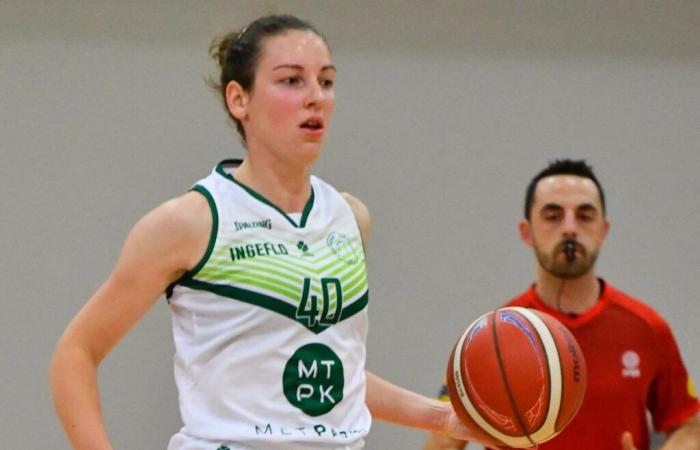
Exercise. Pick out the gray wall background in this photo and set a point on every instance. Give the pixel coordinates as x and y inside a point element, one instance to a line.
<point>444,112</point>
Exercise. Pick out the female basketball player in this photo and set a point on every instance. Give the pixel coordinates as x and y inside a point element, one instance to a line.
<point>264,268</point>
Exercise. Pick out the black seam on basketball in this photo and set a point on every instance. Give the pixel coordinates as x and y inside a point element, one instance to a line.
<point>511,399</point>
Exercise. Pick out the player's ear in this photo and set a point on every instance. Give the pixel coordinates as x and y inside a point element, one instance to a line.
<point>237,100</point>
<point>525,232</point>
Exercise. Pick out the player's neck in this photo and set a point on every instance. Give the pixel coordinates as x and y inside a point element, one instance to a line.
<point>570,295</point>
<point>286,188</point>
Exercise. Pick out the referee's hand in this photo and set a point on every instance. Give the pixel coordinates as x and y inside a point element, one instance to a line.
<point>627,442</point>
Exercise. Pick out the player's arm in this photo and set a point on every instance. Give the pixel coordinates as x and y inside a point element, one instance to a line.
<point>394,404</point>
<point>158,250</point>
<point>437,441</point>
<point>362,216</point>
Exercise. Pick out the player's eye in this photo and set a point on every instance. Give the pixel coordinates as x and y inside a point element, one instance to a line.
<point>291,81</point>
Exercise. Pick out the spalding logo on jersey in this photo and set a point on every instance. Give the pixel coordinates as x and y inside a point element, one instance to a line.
<point>313,379</point>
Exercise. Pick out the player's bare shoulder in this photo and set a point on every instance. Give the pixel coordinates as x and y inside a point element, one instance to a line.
<point>190,213</point>
<point>362,215</point>
<point>177,231</point>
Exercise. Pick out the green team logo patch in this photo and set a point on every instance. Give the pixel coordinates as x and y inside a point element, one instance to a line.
<point>341,245</point>
<point>313,379</point>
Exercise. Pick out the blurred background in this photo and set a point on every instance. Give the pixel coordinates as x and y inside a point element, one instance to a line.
<point>444,112</point>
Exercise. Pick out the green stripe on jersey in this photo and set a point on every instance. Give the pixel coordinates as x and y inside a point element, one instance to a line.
<point>283,275</point>
<point>273,304</point>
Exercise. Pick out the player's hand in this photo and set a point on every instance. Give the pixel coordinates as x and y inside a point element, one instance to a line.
<point>627,442</point>
<point>455,429</point>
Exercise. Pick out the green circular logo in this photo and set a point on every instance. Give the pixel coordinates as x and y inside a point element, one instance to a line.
<point>313,379</point>
<point>341,245</point>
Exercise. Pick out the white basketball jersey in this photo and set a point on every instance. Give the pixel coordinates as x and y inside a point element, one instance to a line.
<point>270,327</point>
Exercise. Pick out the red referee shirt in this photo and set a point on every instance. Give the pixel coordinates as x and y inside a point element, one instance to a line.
<point>634,366</point>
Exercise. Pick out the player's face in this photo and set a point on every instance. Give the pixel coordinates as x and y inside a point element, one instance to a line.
<point>566,207</point>
<point>289,108</point>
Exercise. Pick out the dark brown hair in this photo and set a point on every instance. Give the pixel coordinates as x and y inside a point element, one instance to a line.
<point>562,167</point>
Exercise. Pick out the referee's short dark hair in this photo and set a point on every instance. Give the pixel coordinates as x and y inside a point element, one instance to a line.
<point>562,167</point>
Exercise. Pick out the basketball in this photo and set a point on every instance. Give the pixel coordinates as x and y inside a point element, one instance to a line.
<point>516,377</point>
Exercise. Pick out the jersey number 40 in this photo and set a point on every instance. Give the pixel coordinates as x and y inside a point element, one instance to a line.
<point>331,305</point>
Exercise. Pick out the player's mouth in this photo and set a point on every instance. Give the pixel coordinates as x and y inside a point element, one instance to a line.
<point>312,126</point>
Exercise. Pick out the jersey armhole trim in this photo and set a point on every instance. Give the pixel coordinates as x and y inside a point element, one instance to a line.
<point>214,230</point>
<point>212,239</point>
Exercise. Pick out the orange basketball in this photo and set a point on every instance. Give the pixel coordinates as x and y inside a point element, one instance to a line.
<point>516,377</point>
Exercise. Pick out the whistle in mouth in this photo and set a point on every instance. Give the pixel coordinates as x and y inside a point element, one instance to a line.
<point>570,250</point>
